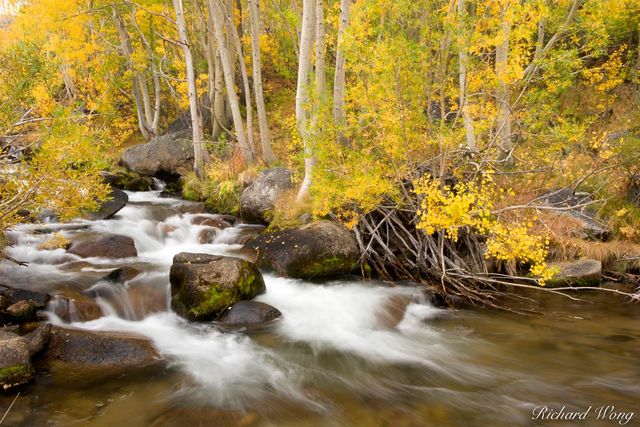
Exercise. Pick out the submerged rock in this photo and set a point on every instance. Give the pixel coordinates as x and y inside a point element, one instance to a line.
<point>249,313</point>
<point>166,155</point>
<point>586,272</point>
<point>109,351</point>
<point>203,285</point>
<point>259,199</point>
<point>106,246</point>
<point>122,274</point>
<point>314,250</point>
<point>116,200</point>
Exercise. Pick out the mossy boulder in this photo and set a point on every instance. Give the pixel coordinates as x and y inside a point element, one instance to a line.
<point>203,286</point>
<point>319,249</point>
<point>586,272</point>
<point>15,361</point>
<point>127,180</point>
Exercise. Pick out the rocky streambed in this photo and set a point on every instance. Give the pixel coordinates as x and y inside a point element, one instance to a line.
<point>126,321</point>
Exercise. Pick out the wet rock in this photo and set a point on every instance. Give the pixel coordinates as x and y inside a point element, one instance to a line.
<point>109,246</point>
<point>216,222</point>
<point>127,180</point>
<point>203,285</point>
<point>110,352</point>
<point>13,295</point>
<point>15,360</point>
<point>393,311</point>
<point>207,235</point>
<point>116,200</point>
<point>122,274</point>
<point>38,339</point>
<point>248,313</point>
<point>259,199</point>
<point>586,272</point>
<point>22,311</point>
<point>582,212</point>
<point>4,302</point>
<point>314,250</point>
<point>73,306</point>
<point>166,155</point>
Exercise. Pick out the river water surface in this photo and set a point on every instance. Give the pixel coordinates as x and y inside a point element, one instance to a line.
<point>340,355</point>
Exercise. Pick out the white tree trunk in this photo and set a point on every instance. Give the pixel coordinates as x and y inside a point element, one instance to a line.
<point>462,80</point>
<point>200,154</point>
<point>265,139</point>
<point>321,73</point>
<point>218,18</point>
<point>302,93</point>
<point>245,80</point>
<point>339,116</point>
<point>503,122</point>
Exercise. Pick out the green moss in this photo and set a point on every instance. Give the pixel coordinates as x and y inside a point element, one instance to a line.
<point>219,196</point>
<point>15,374</point>
<point>332,264</point>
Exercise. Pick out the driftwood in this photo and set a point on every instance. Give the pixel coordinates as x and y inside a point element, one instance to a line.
<point>394,249</point>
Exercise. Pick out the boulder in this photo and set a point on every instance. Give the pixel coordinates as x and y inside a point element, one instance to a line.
<point>73,306</point>
<point>19,305</point>
<point>169,155</point>
<point>248,313</point>
<point>587,272</point>
<point>319,249</point>
<point>15,360</point>
<point>203,285</point>
<point>105,246</point>
<point>107,351</point>
<point>116,200</point>
<point>259,199</point>
<point>127,180</point>
<point>579,202</point>
<point>22,311</point>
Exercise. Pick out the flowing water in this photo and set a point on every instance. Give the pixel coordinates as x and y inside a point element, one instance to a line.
<point>341,355</point>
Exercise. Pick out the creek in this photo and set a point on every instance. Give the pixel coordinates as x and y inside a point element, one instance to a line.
<point>341,355</point>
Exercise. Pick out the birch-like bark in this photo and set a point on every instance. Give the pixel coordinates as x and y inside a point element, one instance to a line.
<point>229,78</point>
<point>246,92</point>
<point>200,155</point>
<point>339,116</point>
<point>127,51</point>
<point>302,93</point>
<point>503,122</point>
<point>462,80</point>
<point>265,140</point>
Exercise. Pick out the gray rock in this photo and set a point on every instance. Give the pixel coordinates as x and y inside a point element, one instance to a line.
<point>127,180</point>
<point>592,228</point>
<point>111,352</point>
<point>105,246</point>
<point>248,313</point>
<point>203,285</point>
<point>259,199</point>
<point>122,274</point>
<point>15,360</point>
<point>586,272</point>
<point>319,249</point>
<point>22,311</point>
<point>166,155</point>
<point>116,200</point>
